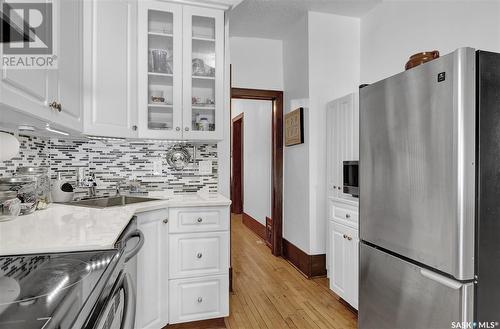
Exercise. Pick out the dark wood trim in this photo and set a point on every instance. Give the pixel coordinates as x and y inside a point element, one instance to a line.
<point>269,232</point>
<point>230,279</point>
<point>217,323</point>
<point>348,306</point>
<point>276,97</point>
<point>254,225</point>
<point>310,266</point>
<point>242,164</point>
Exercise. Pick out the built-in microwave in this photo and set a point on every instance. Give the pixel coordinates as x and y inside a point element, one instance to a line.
<point>351,181</point>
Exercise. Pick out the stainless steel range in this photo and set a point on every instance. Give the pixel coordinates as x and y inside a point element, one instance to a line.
<point>71,290</point>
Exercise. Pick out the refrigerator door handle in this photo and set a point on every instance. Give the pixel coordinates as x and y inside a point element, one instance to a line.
<point>441,279</point>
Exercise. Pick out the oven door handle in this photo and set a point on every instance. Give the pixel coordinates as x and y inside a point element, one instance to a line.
<point>134,234</point>
<point>128,320</point>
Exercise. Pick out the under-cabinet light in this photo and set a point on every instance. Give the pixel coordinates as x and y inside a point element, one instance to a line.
<point>60,132</point>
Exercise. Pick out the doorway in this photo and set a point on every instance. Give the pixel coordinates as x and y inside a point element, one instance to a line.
<point>237,149</point>
<point>239,127</point>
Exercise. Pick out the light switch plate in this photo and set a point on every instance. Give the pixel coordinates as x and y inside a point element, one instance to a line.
<point>205,167</point>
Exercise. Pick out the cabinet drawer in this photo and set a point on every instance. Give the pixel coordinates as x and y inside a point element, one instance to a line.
<point>199,298</point>
<point>198,219</point>
<point>345,214</point>
<point>198,254</point>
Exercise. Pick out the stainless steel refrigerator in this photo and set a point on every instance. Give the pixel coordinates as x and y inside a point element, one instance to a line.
<point>430,195</point>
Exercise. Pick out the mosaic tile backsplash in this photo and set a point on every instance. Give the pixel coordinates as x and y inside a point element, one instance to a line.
<point>112,162</point>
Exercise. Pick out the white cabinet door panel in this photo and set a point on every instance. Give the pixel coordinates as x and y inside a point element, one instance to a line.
<point>203,39</point>
<point>198,254</point>
<point>69,86</point>
<point>152,269</point>
<point>199,298</point>
<point>111,68</point>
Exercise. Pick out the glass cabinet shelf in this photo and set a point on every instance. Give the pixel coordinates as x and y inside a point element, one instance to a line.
<point>161,34</point>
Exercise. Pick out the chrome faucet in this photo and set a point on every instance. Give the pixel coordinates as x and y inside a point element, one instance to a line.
<point>87,181</point>
<point>118,185</point>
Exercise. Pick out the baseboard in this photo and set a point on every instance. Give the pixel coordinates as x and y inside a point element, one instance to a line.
<point>309,265</point>
<point>217,323</point>
<point>254,225</point>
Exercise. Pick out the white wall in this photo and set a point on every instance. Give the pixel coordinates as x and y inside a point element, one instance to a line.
<point>296,158</point>
<point>334,56</point>
<point>321,62</point>
<point>257,63</point>
<point>394,30</point>
<point>257,148</point>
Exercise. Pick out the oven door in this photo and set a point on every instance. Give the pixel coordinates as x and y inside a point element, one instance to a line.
<point>119,313</point>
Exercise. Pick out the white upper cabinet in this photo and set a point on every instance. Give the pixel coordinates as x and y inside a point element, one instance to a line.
<point>69,86</point>
<point>342,140</point>
<point>203,73</point>
<point>110,66</point>
<point>160,70</point>
<point>181,71</point>
<point>32,91</point>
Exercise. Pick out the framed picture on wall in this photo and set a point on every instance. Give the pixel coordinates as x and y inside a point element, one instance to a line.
<point>294,127</point>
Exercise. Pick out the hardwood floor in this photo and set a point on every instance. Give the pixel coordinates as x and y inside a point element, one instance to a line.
<point>270,293</point>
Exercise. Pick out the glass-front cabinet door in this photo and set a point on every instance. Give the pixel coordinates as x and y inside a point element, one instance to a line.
<point>160,70</point>
<point>203,71</point>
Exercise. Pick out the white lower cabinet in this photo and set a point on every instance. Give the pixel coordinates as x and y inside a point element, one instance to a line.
<point>183,267</point>
<point>199,263</point>
<point>198,254</point>
<point>343,259</point>
<point>199,298</point>
<point>152,269</point>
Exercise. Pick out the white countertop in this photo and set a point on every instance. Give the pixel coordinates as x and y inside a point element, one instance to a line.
<point>63,228</point>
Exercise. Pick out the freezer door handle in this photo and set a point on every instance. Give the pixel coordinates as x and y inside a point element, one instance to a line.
<point>441,279</point>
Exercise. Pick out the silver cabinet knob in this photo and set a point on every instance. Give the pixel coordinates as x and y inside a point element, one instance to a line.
<point>56,106</point>
<point>347,216</point>
<point>177,128</point>
<point>334,187</point>
<point>338,187</point>
<point>345,236</point>
<point>199,299</point>
<point>186,128</point>
<point>199,220</point>
<point>199,255</point>
<point>349,238</point>
<point>165,220</point>
<point>134,127</point>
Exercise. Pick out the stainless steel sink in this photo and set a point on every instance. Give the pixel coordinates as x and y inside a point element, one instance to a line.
<point>107,202</point>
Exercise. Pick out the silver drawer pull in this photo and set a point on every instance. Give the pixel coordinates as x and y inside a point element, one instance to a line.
<point>199,255</point>
<point>199,220</point>
<point>347,216</point>
<point>200,299</point>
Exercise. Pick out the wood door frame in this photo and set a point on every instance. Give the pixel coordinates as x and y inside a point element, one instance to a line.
<point>276,97</point>
<point>242,150</point>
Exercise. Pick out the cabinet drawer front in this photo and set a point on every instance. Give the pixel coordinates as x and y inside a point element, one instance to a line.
<point>198,254</point>
<point>345,214</point>
<point>199,298</point>
<point>199,219</point>
<point>348,231</point>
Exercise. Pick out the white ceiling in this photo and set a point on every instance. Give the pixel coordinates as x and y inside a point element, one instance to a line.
<point>271,18</point>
